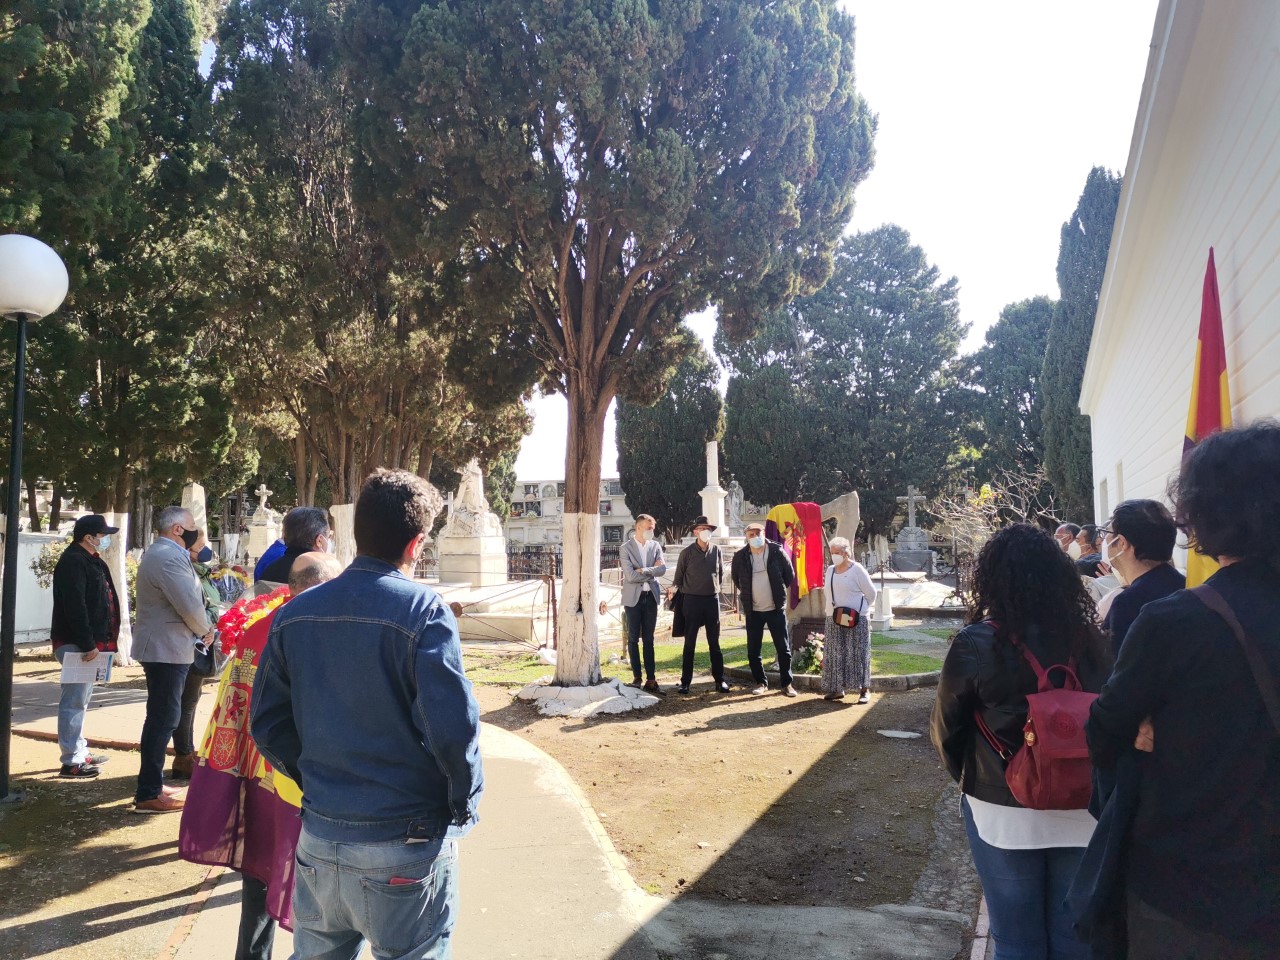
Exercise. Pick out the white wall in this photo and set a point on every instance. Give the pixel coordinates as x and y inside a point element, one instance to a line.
<point>1204,170</point>
<point>35,605</point>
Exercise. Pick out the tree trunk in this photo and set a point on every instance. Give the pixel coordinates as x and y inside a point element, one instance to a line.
<point>300,472</point>
<point>578,653</point>
<point>426,456</point>
<point>33,512</point>
<point>55,508</point>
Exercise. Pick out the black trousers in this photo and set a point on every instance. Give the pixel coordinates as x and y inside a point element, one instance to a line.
<point>699,613</point>
<point>184,741</point>
<point>1157,936</point>
<point>776,621</point>
<point>164,705</point>
<point>641,620</point>
<point>257,929</point>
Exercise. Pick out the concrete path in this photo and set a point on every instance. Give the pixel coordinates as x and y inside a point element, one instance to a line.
<point>540,878</point>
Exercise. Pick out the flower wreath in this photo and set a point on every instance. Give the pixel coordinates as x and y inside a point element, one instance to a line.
<point>244,613</point>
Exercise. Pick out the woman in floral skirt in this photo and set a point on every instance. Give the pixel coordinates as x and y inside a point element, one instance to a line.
<point>847,661</point>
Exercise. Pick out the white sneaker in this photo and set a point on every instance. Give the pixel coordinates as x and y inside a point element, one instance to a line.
<point>762,689</point>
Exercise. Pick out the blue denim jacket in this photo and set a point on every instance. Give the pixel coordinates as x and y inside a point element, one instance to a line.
<point>361,698</point>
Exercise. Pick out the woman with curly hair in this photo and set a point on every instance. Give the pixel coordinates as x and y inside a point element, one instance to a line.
<point>1202,853</point>
<point>1026,591</point>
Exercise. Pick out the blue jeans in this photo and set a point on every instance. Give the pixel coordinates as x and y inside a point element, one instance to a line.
<point>1025,891</point>
<point>164,705</point>
<point>347,893</point>
<point>641,620</point>
<point>72,705</point>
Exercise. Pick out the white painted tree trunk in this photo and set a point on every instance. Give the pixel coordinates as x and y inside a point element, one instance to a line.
<point>578,652</point>
<point>114,558</point>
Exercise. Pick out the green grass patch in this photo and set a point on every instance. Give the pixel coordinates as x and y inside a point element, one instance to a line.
<point>887,640</point>
<point>523,668</point>
<point>942,633</point>
<point>890,663</point>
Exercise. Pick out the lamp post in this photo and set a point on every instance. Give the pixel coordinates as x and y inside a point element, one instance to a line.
<point>33,283</point>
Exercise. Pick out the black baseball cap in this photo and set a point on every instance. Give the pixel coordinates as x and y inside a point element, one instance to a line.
<point>92,523</point>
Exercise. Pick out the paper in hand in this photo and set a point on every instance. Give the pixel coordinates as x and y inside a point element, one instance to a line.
<point>97,670</point>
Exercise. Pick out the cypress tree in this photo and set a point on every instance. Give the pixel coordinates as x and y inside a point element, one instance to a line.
<point>1082,261</point>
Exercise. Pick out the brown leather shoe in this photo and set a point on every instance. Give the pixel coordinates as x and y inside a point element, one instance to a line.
<point>160,804</point>
<point>183,764</point>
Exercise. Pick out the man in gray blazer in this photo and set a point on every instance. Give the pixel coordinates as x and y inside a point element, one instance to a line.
<point>642,564</point>
<point>171,621</point>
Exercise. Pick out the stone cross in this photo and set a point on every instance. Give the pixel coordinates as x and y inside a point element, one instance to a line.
<point>262,494</point>
<point>911,499</point>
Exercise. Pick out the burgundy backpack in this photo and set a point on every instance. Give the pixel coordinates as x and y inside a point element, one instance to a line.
<point>1052,770</point>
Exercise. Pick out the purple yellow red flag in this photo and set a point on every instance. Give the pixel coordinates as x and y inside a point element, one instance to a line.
<point>1210,397</point>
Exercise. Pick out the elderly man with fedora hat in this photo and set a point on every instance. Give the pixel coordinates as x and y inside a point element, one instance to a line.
<point>698,579</point>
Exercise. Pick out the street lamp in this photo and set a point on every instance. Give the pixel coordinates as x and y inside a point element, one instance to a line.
<point>33,283</point>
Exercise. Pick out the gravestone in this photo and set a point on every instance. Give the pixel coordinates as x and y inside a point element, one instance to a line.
<point>911,547</point>
<point>264,528</point>
<point>472,547</point>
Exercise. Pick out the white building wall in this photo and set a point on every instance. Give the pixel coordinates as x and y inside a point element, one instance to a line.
<point>1203,170</point>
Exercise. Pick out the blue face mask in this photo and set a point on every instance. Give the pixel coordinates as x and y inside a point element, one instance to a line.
<point>105,543</point>
<point>757,542</point>
<point>205,555</point>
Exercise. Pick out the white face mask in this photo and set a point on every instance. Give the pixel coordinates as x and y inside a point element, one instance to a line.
<point>704,536</point>
<point>643,535</point>
<point>1073,551</point>
<point>1109,559</point>
<point>757,541</point>
<point>329,545</point>
<point>837,558</point>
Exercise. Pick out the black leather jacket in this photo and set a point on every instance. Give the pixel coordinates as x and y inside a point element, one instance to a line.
<point>982,672</point>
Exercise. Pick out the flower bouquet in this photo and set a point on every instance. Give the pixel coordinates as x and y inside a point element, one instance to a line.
<point>244,613</point>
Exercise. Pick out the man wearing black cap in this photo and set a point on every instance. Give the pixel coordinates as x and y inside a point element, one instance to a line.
<point>86,622</point>
<point>698,577</point>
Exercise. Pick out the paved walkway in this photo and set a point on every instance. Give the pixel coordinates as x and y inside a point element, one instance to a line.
<point>540,878</point>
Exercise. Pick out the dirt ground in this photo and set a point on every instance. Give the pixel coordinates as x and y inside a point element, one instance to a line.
<point>758,799</point>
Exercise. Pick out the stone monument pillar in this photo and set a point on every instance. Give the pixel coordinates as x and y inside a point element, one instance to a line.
<point>193,499</point>
<point>472,547</point>
<point>264,528</point>
<point>344,532</point>
<point>734,503</point>
<point>713,494</point>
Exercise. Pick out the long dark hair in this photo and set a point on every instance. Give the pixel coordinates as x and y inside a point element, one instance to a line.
<point>1024,580</point>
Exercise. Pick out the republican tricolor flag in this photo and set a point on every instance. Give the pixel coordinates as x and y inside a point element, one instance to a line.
<point>1210,397</point>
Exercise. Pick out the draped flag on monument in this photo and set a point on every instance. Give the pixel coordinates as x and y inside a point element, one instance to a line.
<point>1210,397</point>
<point>798,527</point>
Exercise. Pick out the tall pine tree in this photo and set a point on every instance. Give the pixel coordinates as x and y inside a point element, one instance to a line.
<point>1082,261</point>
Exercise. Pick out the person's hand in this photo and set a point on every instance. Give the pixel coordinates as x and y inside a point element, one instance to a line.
<point>91,655</point>
<point>1146,739</point>
<point>1104,568</point>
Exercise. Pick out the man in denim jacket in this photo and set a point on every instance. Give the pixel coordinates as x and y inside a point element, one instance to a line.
<point>361,699</point>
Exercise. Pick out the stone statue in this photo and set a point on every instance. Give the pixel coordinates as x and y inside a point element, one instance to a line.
<point>471,516</point>
<point>734,503</point>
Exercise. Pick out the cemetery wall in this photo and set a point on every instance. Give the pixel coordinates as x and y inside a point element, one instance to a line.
<point>1203,170</point>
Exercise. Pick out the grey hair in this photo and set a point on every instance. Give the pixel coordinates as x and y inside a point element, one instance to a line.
<point>839,543</point>
<point>302,525</point>
<point>312,569</point>
<point>169,516</point>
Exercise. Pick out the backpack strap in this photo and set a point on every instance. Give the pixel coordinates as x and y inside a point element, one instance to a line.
<point>1043,683</point>
<point>996,744</point>
<point>1212,599</point>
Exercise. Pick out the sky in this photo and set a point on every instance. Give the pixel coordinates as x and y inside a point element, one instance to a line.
<point>991,114</point>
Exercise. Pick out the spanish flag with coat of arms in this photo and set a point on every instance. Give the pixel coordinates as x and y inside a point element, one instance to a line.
<point>1210,397</point>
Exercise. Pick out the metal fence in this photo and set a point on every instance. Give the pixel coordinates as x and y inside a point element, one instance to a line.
<point>534,561</point>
